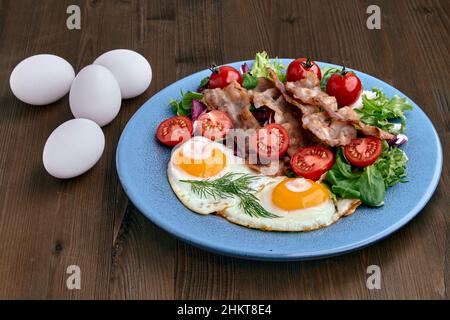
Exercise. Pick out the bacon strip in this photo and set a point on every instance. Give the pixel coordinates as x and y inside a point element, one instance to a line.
<point>331,131</point>
<point>288,117</point>
<point>333,127</point>
<point>235,101</point>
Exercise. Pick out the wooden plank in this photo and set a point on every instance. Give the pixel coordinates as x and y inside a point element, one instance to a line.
<point>46,224</point>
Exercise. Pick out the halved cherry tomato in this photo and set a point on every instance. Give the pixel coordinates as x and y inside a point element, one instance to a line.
<point>270,142</point>
<point>213,125</point>
<point>312,162</point>
<point>345,87</point>
<point>223,76</point>
<point>363,152</point>
<point>298,68</point>
<point>174,130</point>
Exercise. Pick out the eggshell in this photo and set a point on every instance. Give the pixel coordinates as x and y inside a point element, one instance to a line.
<point>131,69</point>
<point>95,95</point>
<point>73,148</point>
<point>41,79</point>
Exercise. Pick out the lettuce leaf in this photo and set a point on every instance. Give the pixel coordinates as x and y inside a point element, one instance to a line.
<point>378,111</point>
<point>368,184</point>
<point>183,107</point>
<point>344,182</point>
<point>392,165</point>
<point>262,62</point>
<point>326,74</point>
<point>249,81</point>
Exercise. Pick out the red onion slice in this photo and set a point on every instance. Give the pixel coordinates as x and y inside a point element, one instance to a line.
<point>197,109</point>
<point>398,140</point>
<point>245,68</point>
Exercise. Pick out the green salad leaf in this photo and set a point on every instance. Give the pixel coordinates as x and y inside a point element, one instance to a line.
<point>392,165</point>
<point>379,110</point>
<point>368,184</point>
<point>326,74</point>
<point>371,187</point>
<point>204,82</point>
<point>249,81</point>
<point>262,62</point>
<point>183,107</point>
<point>344,182</point>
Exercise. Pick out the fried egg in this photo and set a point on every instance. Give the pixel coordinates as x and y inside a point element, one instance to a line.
<point>300,204</point>
<point>202,159</point>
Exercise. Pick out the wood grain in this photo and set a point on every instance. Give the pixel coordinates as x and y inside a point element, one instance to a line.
<point>47,224</point>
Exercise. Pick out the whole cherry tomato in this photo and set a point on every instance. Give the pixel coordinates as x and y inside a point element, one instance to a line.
<point>223,76</point>
<point>345,87</point>
<point>298,68</point>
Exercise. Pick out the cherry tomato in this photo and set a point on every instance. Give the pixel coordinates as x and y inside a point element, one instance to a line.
<point>213,125</point>
<point>270,142</point>
<point>312,162</point>
<point>345,87</point>
<point>298,68</point>
<point>223,76</point>
<point>363,152</point>
<point>174,130</point>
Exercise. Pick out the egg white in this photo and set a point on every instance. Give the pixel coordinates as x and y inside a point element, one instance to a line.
<point>313,218</point>
<point>207,205</point>
<point>299,220</point>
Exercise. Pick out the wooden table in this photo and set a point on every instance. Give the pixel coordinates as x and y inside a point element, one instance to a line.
<point>48,224</point>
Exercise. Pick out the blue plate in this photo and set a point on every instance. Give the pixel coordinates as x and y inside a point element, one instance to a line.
<point>142,163</point>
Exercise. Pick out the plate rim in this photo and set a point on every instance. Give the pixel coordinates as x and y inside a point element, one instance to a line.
<point>264,255</point>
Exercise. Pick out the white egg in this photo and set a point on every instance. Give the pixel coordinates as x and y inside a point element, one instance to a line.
<point>131,69</point>
<point>95,95</point>
<point>73,148</point>
<point>41,79</point>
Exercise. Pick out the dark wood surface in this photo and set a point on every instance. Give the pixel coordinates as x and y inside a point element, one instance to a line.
<point>47,224</point>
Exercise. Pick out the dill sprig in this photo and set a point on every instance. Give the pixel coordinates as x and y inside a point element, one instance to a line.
<point>232,184</point>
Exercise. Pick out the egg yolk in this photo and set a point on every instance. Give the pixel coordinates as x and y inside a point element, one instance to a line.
<point>308,194</point>
<point>202,168</point>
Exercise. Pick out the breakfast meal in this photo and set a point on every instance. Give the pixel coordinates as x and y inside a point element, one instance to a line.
<point>284,149</point>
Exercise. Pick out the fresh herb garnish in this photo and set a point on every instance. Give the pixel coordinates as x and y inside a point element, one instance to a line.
<point>379,110</point>
<point>232,184</point>
<point>183,107</point>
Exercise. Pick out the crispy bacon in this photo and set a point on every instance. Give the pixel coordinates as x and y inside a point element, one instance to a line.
<point>314,96</point>
<point>331,131</point>
<point>288,117</point>
<point>328,130</point>
<point>235,101</point>
<point>334,126</point>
